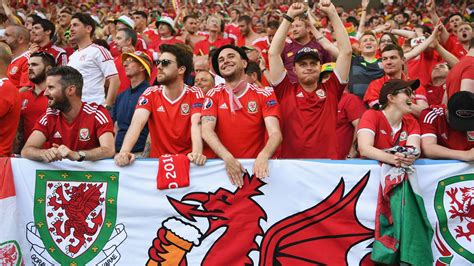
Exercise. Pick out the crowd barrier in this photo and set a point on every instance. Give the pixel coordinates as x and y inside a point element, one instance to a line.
<point>306,212</point>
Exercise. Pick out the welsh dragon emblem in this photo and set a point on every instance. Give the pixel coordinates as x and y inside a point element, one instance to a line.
<point>290,241</point>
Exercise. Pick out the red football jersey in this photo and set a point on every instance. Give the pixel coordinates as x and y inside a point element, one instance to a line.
<point>9,116</point>
<point>242,132</point>
<point>453,45</point>
<point>32,107</point>
<point>203,47</point>
<point>18,71</point>
<point>422,65</point>
<point>371,96</point>
<point>309,118</point>
<point>81,134</point>
<point>170,121</point>
<point>434,124</point>
<point>57,52</point>
<point>462,70</point>
<point>435,94</point>
<point>350,108</point>
<point>262,44</point>
<point>384,136</point>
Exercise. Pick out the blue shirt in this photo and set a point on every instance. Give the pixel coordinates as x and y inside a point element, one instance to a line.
<point>122,113</point>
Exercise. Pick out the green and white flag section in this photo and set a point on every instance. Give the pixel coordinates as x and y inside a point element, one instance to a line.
<point>305,213</point>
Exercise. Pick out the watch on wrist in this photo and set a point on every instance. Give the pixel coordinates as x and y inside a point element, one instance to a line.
<point>82,156</point>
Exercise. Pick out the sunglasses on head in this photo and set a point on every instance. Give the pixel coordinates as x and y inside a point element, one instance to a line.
<point>164,62</point>
<point>407,91</point>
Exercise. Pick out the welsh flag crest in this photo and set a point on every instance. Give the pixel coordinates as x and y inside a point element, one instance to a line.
<point>75,213</point>
<point>454,204</point>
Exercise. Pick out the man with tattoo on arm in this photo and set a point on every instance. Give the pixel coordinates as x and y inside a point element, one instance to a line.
<point>172,109</point>
<point>237,116</point>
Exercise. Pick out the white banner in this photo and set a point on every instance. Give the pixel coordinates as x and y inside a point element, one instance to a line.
<point>305,212</point>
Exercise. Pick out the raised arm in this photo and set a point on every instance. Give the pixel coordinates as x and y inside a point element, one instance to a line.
<point>363,17</point>
<point>430,6</point>
<point>424,45</point>
<point>343,61</point>
<point>325,43</point>
<point>278,43</point>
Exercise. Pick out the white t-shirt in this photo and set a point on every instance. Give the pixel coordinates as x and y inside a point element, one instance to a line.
<point>96,64</point>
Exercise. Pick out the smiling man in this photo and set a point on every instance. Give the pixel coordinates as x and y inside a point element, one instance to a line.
<point>42,34</point>
<point>237,115</point>
<point>77,131</point>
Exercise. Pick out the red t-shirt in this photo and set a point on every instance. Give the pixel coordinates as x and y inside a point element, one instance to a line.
<point>371,96</point>
<point>9,116</point>
<point>263,45</point>
<point>32,107</point>
<point>170,121</point>
<point>59,54</point>
<point>422,65</point>
<point>243,132</point>
<point>453,46</point>
<point>82,133</point>
<point>309,118</point>
<point>232,29</point>
<point>384,138</point>
<point>124,80</point>
<point>462,70</point>
<point>350,108</point>
<point>434,124</point>
<point>155,46</point>
<point>435,94</point>
<point>18,71</point>
<point>203,47</point>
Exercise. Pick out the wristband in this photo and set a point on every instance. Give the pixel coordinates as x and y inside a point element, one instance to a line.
<point>320,38</point>
<point>290,19</point>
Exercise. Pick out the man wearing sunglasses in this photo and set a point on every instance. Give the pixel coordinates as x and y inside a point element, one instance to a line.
<point>172,110</point>
<point>237,115</point>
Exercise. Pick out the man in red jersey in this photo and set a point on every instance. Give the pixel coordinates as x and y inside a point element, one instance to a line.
<point>448,133</point>
<point>33,101</point>
<point>214,40</point>
<point>237,116</point>
<point>309,107</point>
<point>77,130</point>
<point>167,35</point>
<point>247,35</point>
<point>41,34</point>
<point>461,76</point>
<point>392,62</point>
<point>263,43</point>
<point>172,110</point>
<point>9,105</point>
<point>18,38</point>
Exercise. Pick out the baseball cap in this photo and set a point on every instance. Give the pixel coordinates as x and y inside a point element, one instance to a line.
<point>166,20</point>
<point>396,84</point>
<point>461,111</point>
<point>141,57</point>
<point>306,51</point>
<point>248,48</point>
<point>215,57</point>
<point>126,20</point>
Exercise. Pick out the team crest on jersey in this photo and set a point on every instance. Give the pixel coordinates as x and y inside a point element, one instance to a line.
<point>84,134</point>
<point>252,106</point>
<point>184,109</point>
<point>470,136</point>
<point>142,100</point>
<point>321,93</point>
<point>403,136</point>
<point>207,103</point>
<point>14,70</point>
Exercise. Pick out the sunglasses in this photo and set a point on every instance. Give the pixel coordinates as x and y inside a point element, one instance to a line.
<point>164,62</point>
<point>407,91</point>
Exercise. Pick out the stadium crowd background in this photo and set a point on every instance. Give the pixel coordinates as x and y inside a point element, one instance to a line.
<point>421,49</point>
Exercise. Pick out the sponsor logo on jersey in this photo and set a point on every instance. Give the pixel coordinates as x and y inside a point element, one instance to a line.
<point>252,106</point>
<point>160,109</point>
<point>142,100</point>
<point>14,70</point>
<point>300,95</point>
<point>271,103</point>
<point>223,106</point>
<point>84,134</point>
<point>207,103</point>
<point>383,132</point>
<point>185,109</point>
<point>290,54</point>
<point>321,93</point>
<point>57,135</point>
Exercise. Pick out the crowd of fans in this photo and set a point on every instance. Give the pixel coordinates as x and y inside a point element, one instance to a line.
<point>237,79</point>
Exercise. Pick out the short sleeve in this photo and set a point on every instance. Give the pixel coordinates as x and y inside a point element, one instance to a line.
<point>468,73</point>
<point>334,85</point>
<point>104,125</point>
<point>106,63</point>
<point>420,94</point>
<point>209,106</point>
<point>145,101</point>
<point>270,104</point>
<point>355,108</point>
<point>412,126</point>
<point>368,122</point>
<point>371,96</point>
<point>283,86</point>
<point>42,125</point>
<point>427,126</point>
<point>198,99</point>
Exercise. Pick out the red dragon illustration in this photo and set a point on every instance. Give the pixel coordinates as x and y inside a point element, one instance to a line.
<point>8,255</point>
<point>464,210</point>
<point>320,235</point>
<point>83,200</point>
